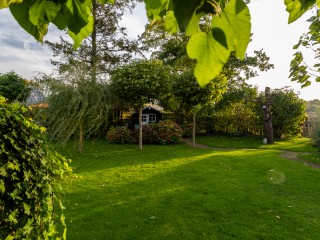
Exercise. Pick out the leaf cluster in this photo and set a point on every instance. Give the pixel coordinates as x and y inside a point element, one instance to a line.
<point>300,71</point>
<point>140,82</point>
<point>28,168</point>
<point>13,87</point>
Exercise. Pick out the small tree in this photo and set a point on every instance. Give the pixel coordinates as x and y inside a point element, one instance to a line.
<point>139,83</point>
<point>191,96</point>
<point>286,111</point>
<point>13,87</point>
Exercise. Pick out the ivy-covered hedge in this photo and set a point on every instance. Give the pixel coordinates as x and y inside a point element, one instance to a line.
<point>28,168</point>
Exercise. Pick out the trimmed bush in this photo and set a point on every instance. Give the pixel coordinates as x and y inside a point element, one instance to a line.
<point>119,135</point>
<point>160,133</point>
<point>149,135</point>
<point>28,168</point>
<point>168,132</point>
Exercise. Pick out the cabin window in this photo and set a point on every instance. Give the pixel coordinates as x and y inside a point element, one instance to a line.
<point>152,118</point>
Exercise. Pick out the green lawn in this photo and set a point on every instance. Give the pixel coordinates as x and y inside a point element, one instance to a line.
<point>176,192</point>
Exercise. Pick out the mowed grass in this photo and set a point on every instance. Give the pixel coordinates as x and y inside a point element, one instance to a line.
<point>254,142</point>
<point>176,192</point>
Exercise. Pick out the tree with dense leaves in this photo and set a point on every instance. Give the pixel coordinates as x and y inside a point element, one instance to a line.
<point>287,111</point>
<point>106,47</point>
<point>235,110</point>
<point>140,83</point>
<point>13,87</point>
<point>191,96</point>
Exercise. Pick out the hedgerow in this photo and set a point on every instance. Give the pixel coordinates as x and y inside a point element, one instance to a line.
<point>28,169</point>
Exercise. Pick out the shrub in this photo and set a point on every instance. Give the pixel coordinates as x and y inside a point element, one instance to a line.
<point>119,135</point>
<point>28,168</point>
<point>149,135</point>
<point>159,133</point>
<point>168,132</point>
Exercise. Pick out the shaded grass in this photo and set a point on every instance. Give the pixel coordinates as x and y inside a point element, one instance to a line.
<point>175,192</point>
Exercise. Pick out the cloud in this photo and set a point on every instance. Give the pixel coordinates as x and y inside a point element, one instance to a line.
<point>19,51</point>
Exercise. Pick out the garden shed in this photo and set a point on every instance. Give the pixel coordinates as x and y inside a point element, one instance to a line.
<point>151,113</point>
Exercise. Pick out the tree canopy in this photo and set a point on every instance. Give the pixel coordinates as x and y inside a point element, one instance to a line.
<point>229,30</point>
<point>13,87</point>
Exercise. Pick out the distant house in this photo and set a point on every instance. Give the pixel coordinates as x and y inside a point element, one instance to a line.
<point>36,98</point>
<point>151,113</point>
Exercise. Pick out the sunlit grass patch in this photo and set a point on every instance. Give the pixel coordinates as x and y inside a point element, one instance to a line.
<point>176,192</point>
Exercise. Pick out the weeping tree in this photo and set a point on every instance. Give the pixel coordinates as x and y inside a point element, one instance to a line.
<point>139,83</point>
<point>77,107</point>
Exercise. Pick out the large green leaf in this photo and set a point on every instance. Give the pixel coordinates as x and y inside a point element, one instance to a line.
<point>6,3</point>
<point>297,8</point>
<point>43,11</point>
<point>211,53</point>
<point>171,24</point>
<point>20,12</point>
<point>230,32</point>
<point>156,9</point>
<point>184,11</point>
<point>84,33</point>
<point>235,23</point>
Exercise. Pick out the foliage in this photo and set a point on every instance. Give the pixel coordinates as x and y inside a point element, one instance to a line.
<point>13,87</point>
<point>104,49</point>
<point>28,168</point>
<point>288,113</point>
<point>315,134</point>
<point>164,132</point>
<point>168,132</point>
<point>76,107</point>
<point>190,94</point>
<point>140,82</point>
<point>119,135</point>
<point>229,29</point>
<point>149,134</point>
<point>187,130</point>
<point>300,71</point>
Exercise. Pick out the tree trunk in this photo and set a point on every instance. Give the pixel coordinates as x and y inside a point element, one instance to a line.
<point>80,138</point>
<point>93,63</point>
<point>194,130</point>
<point>140,128</point>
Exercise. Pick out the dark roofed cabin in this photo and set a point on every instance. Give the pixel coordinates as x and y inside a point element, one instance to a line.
<point>150,114</point>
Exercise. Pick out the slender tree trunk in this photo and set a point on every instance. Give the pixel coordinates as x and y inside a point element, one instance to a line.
<point>140,128</point>
<point>93,63</point>
<point>194,130</point>
<point>80,138</point>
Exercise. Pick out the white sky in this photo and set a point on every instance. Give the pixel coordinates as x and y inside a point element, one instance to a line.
<point>21,53</point>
